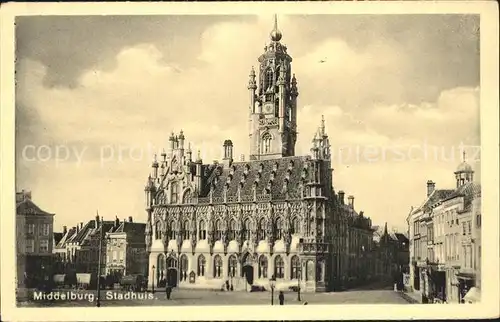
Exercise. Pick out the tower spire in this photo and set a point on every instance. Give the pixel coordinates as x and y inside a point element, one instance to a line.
<point>463,156</point>
<point>275,33</point>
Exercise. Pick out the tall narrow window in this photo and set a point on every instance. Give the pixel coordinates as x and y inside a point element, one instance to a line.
<point>261,232</point>
<point>295,228</point>
<point>279,267</point>
<point>269,78</point>
<point>232,229</point>
<point>158,230</point>
<point>246,229</point>
<point>233,263</point>
<point>279,229</point>
<point>295,267</point>
<point>202,231</point>
<point>172,230</point>
<point>174,196</point>
<point>266,143</point>
<point>184,268</point>
<point>218,229</point>
<point>201,265</point>
<point>185,230</point>
<point>263,266</point>
<point>217,266</point>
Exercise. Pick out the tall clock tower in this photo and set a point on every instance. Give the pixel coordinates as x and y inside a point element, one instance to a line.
<point>273,103</point>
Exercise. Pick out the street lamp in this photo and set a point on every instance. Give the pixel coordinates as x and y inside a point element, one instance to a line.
<point>98,302</point>
<point>153,279</point>
<point>298,285</point>
<point>272,282</point>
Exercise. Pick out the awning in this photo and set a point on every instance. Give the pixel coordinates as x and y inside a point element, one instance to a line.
<point>473,295</point>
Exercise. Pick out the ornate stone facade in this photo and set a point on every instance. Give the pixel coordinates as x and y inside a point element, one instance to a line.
<point>242,223</point>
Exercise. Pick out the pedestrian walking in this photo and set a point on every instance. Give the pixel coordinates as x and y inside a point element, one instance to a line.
<point>282,298</point>
<point>168,291</point>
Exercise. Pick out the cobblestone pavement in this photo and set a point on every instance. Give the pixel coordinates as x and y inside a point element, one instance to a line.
<point>204,297</point>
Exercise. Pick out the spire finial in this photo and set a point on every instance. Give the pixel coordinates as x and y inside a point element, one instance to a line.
<point>463,154</point>
<point>275,33</point>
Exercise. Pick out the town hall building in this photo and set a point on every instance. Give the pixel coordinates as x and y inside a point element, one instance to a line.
<point>243,223</point>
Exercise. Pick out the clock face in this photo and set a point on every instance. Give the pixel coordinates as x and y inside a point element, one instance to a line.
<point>268,108</point>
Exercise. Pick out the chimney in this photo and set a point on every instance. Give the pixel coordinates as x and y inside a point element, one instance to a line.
<point>130,219</point>
<point>341,196</point>
<point>228,152</point>
<point>97,221</point>
<point>65,230</point>
<point>351,201</point>
<point>117,222</point>
<point>430,187</point>
<point>81,225</point>
<point>77,228</point>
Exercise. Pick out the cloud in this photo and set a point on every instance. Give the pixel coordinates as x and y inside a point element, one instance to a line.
<point>129,111</point>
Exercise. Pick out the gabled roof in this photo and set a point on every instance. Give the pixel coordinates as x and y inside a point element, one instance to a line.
<point>28,207</point>
<point>66,238</point>
<point>468,191</point>
<point>134,231</point>
<point>247,172</point>
<point>436,196</point>
<point>58,237</point>
<point>107,226</point>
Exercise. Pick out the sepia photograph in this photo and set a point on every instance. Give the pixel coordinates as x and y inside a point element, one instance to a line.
<point>195,157</point>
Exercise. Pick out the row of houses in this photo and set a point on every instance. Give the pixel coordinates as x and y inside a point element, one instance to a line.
<point>42,252</point>
<point>445,241</point>
<point>122,245</point>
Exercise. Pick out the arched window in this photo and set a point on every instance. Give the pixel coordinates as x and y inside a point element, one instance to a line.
<point>202,231</point>
<point>174,192</point>
<point>295,267</point>
<point>184,268</point>
<point>279,228</point>
<point>263,266</point>
<point>232,229</point>
<point>158,230</point>
<point>172,230</point>
<point>185,230</point>
<point>218,229</point>
<point>266,143</point>
<point>233,263</point>
<point>261,230</point>
<point>269,78</point>
<point>217,266</point>
<point>279,267</point>
<point>246,229</point>
<point>187,197</point>
<point>201,265</point>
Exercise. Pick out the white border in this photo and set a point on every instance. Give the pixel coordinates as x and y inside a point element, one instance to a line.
<point>490,165</point>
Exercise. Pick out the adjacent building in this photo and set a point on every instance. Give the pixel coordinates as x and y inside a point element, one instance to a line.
<point>34,240</point>
<point>126,250</point>
<point>245,222</point>
<point>445,238</point>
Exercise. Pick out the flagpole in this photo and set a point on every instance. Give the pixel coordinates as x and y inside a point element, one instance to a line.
<point>98,302</point>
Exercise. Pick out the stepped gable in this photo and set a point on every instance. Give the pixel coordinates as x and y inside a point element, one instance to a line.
<point>261,170</point>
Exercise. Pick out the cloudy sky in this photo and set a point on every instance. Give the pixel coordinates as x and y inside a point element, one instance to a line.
<point>98,95</point>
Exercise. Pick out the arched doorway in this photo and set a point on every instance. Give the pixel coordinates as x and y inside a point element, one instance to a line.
<point>247,268</point>
<point>172,271</point>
